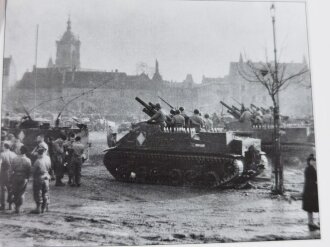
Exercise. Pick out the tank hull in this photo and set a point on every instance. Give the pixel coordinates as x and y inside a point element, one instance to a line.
<point>177,169</point>
<point>297,142</point>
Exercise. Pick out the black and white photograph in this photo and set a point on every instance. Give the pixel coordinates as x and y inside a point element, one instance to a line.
<point>157,122</point>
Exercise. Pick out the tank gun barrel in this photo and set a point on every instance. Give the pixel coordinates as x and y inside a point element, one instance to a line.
<point>235,108</point>
<point>263,109</point>
<point>231,111</point>
<point>254,106</point>
<point>148,109</point>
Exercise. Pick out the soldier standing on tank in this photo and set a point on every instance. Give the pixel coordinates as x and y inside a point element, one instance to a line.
<point>246,116</point>
<point>20,173</point>
<point>258,117</point>
<point>58,159</point>
<point>6,159</point>
<point>77,160</point>
<point>208,122</point>
<point>178,120</point>
<point>40,173</point>
<point>186,118</point>
<point>159,117</point>
<point>196,121</point>
<point>267,118</point>
<point>170,124</point>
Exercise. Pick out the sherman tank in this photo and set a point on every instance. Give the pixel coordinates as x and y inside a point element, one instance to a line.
<point>179,156</point>
<point>27,130</point>
<point>297,137</point>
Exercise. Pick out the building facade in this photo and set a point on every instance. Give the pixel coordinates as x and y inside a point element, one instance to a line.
<point>64,86</point>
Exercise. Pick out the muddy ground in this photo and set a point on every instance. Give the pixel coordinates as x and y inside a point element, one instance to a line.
<point>106,212</point>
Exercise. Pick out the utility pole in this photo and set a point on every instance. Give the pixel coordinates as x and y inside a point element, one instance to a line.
<point>277,138</point>
<point>35,73</point>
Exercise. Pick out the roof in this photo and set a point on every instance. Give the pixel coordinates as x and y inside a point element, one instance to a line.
<point>53,78</point>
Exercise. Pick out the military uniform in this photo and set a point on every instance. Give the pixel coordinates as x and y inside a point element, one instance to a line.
<point>178,120</point>
<point>68,151</point>
<point>58,159</point>
<point>245,117</point>
<point>41,145</point>
<point>268,118</point>
<point>208,124</point>
<point>21,169</point>
<point>159,117</point>
<point>17,146</point>
<point>196,122</point>
<point>41,177</point>
<point>7,158</point>
<point>77,160</point>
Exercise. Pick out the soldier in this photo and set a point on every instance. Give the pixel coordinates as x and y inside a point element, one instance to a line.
<point>257,117</point>
<point>42,144</point>
<point>186,118</point>
<point>11,141</point>
<point>196,121</point>
<point>208,122</point>
<point>68,151</point>
<point>268,118</point>
<point>17,146</point>
<point>170,121</point>
<point>58,159</point>
<point>159,117</point>
<point>77,160</point>
<point>178,120</point>
<point>246,116</point>
<point>20,173</point>
<point>111,137</point>
<point>40,173</point>
<point>6,159</point>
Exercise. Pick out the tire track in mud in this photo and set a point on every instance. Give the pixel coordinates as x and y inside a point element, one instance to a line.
<point>55,226</point>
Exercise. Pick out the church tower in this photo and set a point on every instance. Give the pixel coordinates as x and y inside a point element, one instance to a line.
<point>68,50</point>
<point>157,76</point>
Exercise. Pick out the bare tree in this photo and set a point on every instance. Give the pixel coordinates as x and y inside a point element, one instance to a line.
<point>275,77</point>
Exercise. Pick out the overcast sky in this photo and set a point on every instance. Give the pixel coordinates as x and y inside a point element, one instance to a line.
<point>197,37</point>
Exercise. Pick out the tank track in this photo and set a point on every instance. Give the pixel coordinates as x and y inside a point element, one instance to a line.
<point>209,171</point>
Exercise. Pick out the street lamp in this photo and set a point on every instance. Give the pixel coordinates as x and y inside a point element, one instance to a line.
<point>277,143</point>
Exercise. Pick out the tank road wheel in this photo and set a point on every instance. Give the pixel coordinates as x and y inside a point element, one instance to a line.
<point>123,174</point>
<point>175,177</point>
<point>190,178</point>
<point>211,180</point>
<point>141,174</point>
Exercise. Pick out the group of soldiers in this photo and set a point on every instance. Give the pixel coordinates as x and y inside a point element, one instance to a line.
<point>179,119</point>
<point>17,165</point>
<point>256,116</point>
